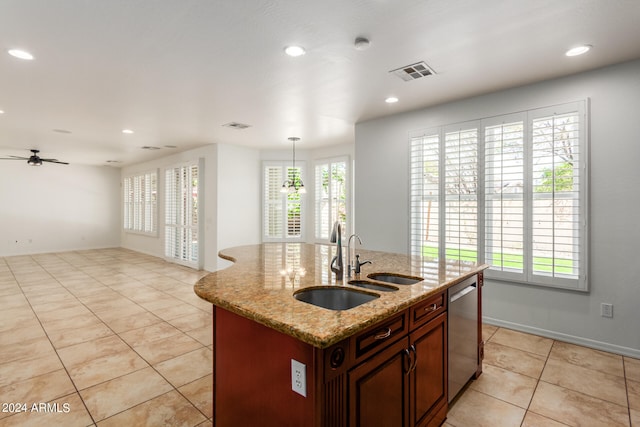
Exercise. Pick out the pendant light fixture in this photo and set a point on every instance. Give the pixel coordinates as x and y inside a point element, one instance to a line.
<point>293,183</point>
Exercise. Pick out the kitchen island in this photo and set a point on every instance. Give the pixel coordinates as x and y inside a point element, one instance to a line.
<point>383,362</point>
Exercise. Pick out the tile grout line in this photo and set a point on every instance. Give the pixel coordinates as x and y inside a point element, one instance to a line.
<point>173,388</point>
<point>49,339</point>
<point>83,271</point>
<point>626,388</point>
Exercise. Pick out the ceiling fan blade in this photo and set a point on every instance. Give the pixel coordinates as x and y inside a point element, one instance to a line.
<point>54,161</point>
<point>14,158</point>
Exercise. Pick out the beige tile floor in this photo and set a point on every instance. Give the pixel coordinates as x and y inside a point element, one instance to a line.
<point>112,336</point>
<point>530,381</point>
<point>118,338</point>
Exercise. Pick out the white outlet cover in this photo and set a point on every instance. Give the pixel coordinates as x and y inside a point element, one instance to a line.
<point>299,377</point>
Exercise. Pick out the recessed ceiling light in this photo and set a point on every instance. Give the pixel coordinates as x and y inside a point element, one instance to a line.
<point>578,50</point>
<point>19,53</point>
<point>391,100</point>
<point>294,51</point>
<point>1,112</point>
<point>127,131</point>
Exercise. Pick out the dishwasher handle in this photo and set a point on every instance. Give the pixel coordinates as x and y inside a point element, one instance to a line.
<point>463,292</point>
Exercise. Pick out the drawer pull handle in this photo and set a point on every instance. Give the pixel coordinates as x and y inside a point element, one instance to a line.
<point>383,335</point>
<point>433,307</point>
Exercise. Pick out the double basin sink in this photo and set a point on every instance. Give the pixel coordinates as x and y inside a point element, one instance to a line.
<point>343,298</point>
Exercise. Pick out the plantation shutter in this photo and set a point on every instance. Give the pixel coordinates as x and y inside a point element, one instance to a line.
<point>504,165</point>
<point>273,217</point>
<point>140,203</point>
<point>127,191</point>
<point>513,196</point>
<point>150,202</point>
<point>323,206</point>
<point>181,214</point>
<point>282,217</point>
<point>558,196</point>
<point>461,194</point>
<point>425,194</point>
<point>294,207</point>
<point>331,185</point>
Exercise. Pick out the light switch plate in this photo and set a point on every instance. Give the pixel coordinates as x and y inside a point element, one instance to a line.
<point>299,377</point>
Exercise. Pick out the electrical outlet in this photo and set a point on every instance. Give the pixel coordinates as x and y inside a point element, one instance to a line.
<point>606,310</point>
<point>299,377</point>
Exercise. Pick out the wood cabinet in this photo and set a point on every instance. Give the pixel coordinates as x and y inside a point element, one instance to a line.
<point>379,388</point>
<point>405,383</point>
<point>393,373</point>
<point>428,380</point>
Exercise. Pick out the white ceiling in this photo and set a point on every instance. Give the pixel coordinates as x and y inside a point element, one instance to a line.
<point>175,71</point>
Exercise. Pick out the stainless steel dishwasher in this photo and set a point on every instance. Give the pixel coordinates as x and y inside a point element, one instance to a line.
<point>463,334</point>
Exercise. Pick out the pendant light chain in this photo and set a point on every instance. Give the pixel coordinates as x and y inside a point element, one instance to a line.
<point>293,184</point>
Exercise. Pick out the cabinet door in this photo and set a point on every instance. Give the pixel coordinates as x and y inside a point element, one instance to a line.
<point>379,387</point>
<point>428,382</point>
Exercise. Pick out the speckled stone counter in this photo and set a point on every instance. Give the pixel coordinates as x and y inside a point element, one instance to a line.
<point>261,282</point>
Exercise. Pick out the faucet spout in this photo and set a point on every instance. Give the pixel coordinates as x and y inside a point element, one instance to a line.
<point>337,265</point>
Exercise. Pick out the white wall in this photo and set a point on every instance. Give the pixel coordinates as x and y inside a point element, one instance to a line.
<point>57,208</point>
<point>239,197</point>
<point>382,214</point>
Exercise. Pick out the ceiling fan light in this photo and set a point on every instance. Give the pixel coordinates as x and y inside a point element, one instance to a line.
<point>34,161</point>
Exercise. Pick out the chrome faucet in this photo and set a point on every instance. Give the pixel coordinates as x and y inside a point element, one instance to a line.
<point>350,266</point>
<point>336,263</point>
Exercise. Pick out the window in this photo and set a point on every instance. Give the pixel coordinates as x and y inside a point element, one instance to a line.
<point>140,203</point>
<point>181,214</point>
<point>331,185</point>
<point>512,195</point>
<point>283,216</point>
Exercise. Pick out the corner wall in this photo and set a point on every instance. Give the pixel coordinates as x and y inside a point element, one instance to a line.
<point>230,200</point>
<point>54,208</point>
<point>382,202</point>
<point>153,245</point>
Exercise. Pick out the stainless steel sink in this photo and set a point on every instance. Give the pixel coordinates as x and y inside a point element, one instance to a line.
<point>372,286</point>
<point>396,279</point>
<point>334,298</point>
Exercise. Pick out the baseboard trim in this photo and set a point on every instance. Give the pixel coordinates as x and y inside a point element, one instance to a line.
<point>572,339</point>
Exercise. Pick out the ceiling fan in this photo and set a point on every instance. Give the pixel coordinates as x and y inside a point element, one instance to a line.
<point>34,160</point>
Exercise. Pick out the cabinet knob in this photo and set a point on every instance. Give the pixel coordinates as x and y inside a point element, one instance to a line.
<point>337,357</point>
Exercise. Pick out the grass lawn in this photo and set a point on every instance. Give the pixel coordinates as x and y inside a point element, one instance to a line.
<point>514,261</point>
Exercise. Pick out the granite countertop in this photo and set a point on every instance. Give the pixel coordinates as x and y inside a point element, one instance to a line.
<point>261,282</point>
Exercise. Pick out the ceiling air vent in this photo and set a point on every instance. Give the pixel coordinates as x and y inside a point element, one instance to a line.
<point>413,71</point>
<point>149,147</point>
<point>236,125</point>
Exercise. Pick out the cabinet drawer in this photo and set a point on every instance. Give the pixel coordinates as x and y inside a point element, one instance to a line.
<point>379,336</point>
<point>428,309</point>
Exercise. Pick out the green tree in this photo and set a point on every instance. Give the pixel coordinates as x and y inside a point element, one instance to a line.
<point>557,180</point>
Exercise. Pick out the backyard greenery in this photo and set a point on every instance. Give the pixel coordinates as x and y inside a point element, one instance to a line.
<point>515,261</point>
